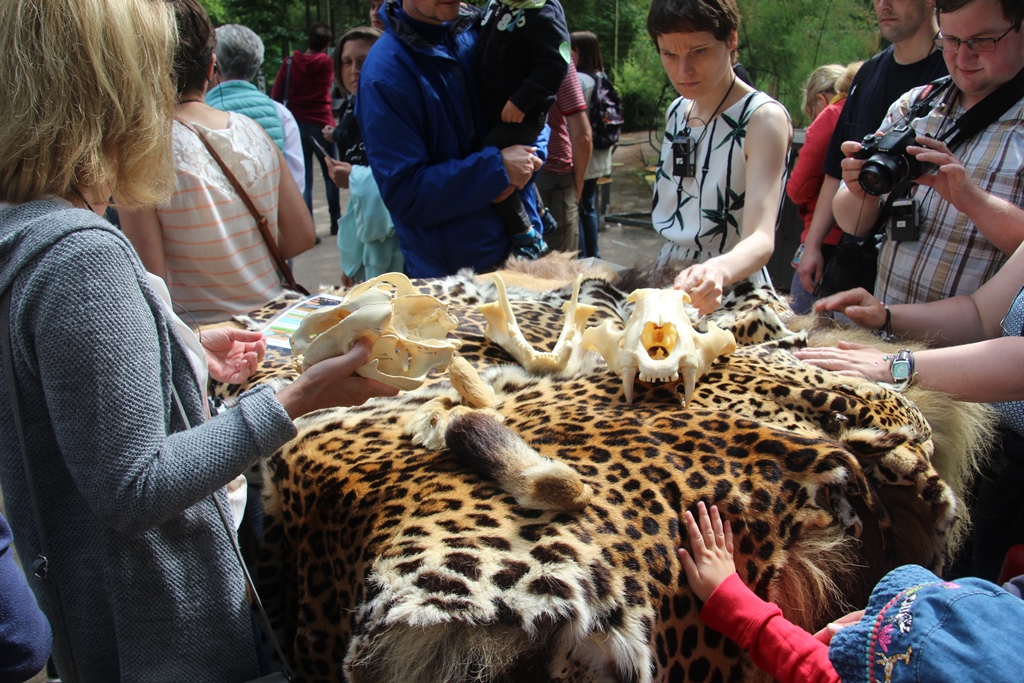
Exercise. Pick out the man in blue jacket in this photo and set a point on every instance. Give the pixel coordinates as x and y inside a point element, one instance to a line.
<point>419,110</point>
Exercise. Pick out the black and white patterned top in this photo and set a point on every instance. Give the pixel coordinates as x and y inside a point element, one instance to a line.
<point>701,216</point>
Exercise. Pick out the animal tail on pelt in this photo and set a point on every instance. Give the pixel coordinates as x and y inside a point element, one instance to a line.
<point>537,482</point>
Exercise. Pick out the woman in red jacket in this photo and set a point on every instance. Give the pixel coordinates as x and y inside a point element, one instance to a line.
<point>824,97</point>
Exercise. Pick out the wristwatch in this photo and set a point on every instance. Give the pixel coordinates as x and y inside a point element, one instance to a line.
<point>901,367</point>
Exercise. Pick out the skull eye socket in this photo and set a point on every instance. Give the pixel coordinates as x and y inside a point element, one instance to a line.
<point>659,340</point>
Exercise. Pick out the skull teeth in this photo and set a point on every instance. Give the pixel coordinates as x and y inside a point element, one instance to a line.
<point>656,378</point>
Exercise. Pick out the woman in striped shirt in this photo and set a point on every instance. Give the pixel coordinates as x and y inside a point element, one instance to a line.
<point>205,243</point>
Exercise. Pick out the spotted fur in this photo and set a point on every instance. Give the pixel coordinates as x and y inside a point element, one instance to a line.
<point>385,560</point>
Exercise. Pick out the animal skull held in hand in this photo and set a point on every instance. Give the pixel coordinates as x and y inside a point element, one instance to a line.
<point>408,331</point>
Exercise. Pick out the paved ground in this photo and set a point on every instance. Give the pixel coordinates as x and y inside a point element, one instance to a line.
<point>620,243</point>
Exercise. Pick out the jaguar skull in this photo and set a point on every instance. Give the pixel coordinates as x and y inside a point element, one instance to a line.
<point>659,343</point>
<point>408,331</point>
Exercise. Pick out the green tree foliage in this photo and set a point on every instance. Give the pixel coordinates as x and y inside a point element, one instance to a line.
<point>781,41</point>
<point>644,87</point>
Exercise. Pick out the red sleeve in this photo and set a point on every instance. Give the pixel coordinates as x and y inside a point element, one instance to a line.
<point>778,647</point>
<point>805,181</point>
<point>569,99</point>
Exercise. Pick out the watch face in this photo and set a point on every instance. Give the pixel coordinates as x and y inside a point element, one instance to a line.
<point>900,370</point>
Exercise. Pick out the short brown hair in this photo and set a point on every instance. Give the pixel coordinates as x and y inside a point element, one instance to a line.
<point>588,51</point>
<point>718,17</point>
<point>89,99</point>
<point>1013,10</point>
<point>318,37</point>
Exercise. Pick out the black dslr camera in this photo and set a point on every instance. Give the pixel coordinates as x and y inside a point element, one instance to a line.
<point>888,162</point>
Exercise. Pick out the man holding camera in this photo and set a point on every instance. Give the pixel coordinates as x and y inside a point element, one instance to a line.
<point>954,192</point>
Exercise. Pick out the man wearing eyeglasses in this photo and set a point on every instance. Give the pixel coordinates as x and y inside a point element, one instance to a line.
<point>961,218</point>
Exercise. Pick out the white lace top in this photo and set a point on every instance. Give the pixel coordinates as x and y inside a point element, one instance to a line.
<point>217,262</point>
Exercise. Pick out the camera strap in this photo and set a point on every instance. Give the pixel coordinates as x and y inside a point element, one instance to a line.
<point>901,191</point>
<point>985,113</point>
<point>928,96</point>
<point>922,106</point>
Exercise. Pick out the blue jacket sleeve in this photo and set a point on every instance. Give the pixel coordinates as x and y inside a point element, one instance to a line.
<point>24,631</point>
<point>418,190</point>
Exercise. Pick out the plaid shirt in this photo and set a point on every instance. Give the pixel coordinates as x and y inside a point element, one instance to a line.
<point>951,256</point>
<point>569,100</point>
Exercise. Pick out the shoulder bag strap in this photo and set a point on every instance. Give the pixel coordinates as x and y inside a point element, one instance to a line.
<point>233,538</point>
<point>41,563</point>
<point>287,80</point>
<point>261,220</point>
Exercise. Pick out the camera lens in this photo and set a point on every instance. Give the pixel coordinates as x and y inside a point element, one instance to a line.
<point>879,174</point>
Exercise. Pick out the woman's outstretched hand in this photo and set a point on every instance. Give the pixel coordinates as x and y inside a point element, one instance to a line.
<point>849,358</point>
<point>859,305</point>
<point>232,355</point>
<point>704,284</point>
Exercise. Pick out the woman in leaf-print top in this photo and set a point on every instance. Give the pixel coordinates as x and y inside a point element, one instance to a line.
<point>720,209</point>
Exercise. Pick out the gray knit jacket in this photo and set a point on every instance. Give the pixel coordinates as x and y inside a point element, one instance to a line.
<point>152,588</point>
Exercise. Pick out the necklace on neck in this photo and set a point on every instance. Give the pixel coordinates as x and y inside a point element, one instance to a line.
<point>715,112</point>
<point>187,100</point>
<point>80,196</point>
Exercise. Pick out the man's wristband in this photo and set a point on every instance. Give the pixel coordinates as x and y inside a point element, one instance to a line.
<point>885,331</point>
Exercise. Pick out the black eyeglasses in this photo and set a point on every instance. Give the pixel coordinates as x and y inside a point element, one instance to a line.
<point>973,44</point>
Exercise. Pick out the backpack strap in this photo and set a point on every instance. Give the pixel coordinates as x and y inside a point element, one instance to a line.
<point>287,80</point>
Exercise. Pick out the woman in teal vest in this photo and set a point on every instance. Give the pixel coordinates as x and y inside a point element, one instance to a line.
<point>239,58</point>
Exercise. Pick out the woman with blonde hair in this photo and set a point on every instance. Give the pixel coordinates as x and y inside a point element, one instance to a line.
<point>142,582</point>
<point>820,89</point>
<point>205,242</point>
<point>824,97</point>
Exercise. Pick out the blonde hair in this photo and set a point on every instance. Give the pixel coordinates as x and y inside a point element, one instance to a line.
<point>822,81</point>
<point>89,99</point>
<point>844,82</point>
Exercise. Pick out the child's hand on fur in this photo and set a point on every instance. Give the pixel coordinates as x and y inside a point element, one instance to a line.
<point>711,561</point>
<point>511,113</point>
